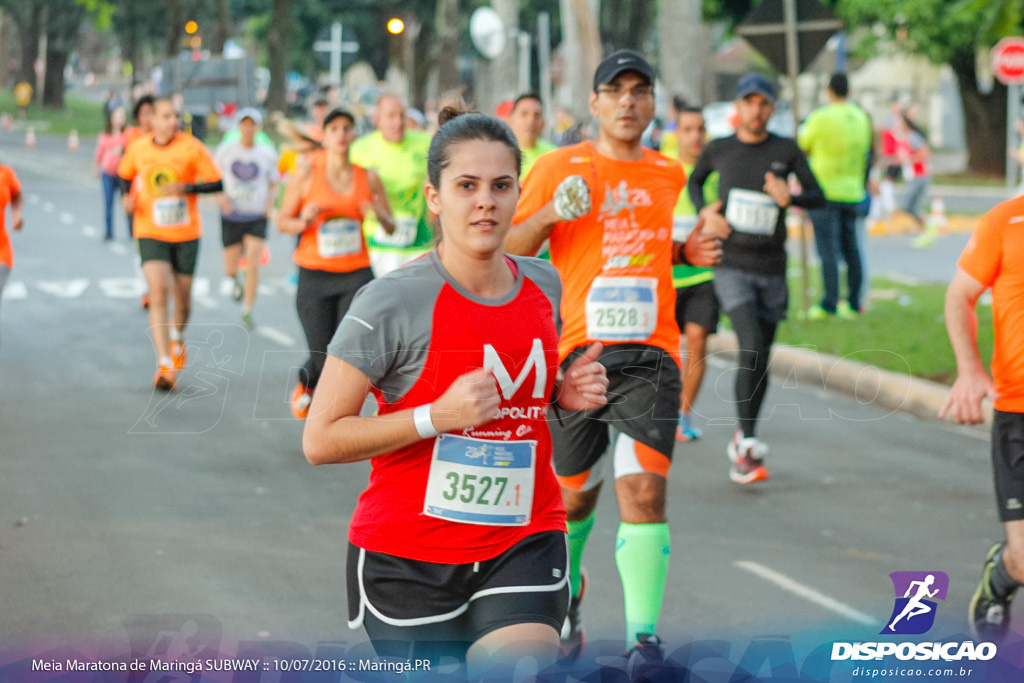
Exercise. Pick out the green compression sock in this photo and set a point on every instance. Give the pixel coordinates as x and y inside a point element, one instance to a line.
<point>642,554</point>
<point>578,534</point>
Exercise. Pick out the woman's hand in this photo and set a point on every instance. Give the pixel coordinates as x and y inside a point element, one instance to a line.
<point>470,401</point>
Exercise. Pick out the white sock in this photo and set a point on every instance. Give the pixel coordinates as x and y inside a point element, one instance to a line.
<point>166,361</point>
<point>175,334</point>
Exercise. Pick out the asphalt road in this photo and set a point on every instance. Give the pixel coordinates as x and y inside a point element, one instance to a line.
<point>130,520</point>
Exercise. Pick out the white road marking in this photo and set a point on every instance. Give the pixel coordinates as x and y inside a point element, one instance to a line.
<point>33,198</point>
<point>274,335</point>
<point>201,292</point>
<point>118,248</point>
<point>122,287</point>
<point>48,207</point>
<point>15,290</point>
<point>90,232</point>
<point>807,593</point>
<point>64,289</point>
<point>66,218</point>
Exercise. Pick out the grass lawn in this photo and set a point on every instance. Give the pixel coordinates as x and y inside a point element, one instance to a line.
<point>82,115</point>
<point>903,330</point>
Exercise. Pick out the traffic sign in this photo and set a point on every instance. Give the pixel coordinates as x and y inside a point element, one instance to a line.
<point>765,25</point>
<point>1008,60</point>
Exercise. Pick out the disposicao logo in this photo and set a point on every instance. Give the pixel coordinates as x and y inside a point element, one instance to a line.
<point>913,614</point>
<point>916,595</point>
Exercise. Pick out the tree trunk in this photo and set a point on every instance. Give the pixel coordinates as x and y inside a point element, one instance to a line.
<point>278,44</point>
<point>175,27</point>
<point>986,132</point>
<point>680,58</point>
<point>505,69</point>
<point>223,31</point>
<point>447,22</point>
<point>131,48</point>
<point>422,67</point>
<point>30,26</point>
<point>53,81</point>
<point>62,23</point>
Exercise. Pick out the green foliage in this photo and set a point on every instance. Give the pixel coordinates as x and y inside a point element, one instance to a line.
<point>84,116</point>
<point>101,12</point>
<point>904,330</point>
<point>936,29</point>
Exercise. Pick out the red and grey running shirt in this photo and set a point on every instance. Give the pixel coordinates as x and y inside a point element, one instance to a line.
<point>470,495</point>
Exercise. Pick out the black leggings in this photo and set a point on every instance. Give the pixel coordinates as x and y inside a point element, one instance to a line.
<point>755,336</point>
<point>322,299</point>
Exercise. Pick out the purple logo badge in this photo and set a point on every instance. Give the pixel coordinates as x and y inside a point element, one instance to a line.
<point>916,593</point>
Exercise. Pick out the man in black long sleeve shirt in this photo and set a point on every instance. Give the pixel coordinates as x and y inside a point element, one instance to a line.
<point>754,166</point>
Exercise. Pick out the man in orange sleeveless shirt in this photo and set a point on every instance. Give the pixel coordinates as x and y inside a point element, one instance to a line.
<point>172,167</point>
<point>615,260</point>
<point>992,259</point>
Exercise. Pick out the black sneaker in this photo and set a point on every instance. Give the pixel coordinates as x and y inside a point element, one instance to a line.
<point>573,638</point>
<point>647,658</point>
<point>989,615</point>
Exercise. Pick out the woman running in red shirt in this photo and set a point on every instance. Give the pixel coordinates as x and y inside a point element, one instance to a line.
<point>457,546</point>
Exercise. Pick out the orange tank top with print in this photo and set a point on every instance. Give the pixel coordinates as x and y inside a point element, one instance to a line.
<point>334,241</point>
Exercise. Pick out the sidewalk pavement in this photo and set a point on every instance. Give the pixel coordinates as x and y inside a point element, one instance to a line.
<point>868,384</point>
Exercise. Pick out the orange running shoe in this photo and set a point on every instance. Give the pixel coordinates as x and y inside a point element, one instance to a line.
<point>179,354</point>
<point>301,398</point>
<point>164,379</point>
<point>145,301</point>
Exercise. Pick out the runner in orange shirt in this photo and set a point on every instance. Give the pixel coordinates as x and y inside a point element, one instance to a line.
<point>606,209</point>
<point>10,195</point>
<point>992,259</point>
<point>325,205</point>
<point>172,168</point>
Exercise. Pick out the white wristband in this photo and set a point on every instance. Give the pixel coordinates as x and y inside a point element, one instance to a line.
<point>424,425</point>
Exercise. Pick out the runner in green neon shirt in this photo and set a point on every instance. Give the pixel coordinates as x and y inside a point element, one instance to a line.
<point>697,309</point>
<point>399,157</point>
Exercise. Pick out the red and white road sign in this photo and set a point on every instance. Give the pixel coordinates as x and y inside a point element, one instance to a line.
<point>1008,60</point>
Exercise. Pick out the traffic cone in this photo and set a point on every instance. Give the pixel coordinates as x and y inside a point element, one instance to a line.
<point>73,140</point>
<point>30,137</point>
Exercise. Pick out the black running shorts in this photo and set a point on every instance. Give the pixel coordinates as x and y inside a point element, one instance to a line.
<point>1008,464</point>
<point>232,232</point>
<point>181,255</point>
<point>426,610</point>
<point>699,305</point>
<point>643,403</point>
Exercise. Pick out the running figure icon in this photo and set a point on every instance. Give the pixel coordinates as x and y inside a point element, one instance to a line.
<point>915,606</point>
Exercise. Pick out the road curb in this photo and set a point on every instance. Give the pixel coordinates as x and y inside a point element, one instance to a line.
<point>867,384</point>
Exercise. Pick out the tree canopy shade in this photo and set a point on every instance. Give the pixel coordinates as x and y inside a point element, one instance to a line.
<point>948,33</point>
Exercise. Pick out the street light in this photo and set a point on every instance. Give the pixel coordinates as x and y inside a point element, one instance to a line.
<point>395,26</point>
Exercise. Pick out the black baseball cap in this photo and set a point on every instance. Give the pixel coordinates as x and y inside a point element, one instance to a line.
<point>620,62</point>
<point>338,112</point>
<point>755,84</point>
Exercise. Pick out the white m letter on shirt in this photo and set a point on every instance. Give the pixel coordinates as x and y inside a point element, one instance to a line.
<point>493,363</point>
